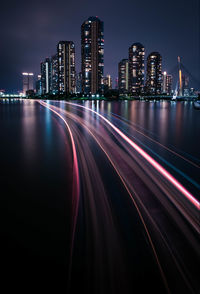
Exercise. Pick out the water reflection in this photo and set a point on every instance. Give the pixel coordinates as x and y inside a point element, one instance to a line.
<point>29,134</point>
<point>171,122</point>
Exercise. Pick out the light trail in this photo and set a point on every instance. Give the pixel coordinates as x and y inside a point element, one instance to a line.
<point>76,184</point>
<point>156,165</point>
<point>162,159</point>
<point>177,204</point>
<point>163,146</point>
<point>135,204</point>
<point>76,181</point>
<point>132,193</point>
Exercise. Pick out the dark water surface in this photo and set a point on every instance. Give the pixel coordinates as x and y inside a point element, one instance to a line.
<point>36,188</point>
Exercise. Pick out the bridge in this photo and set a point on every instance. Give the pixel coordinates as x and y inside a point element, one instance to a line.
<point>183,77</point>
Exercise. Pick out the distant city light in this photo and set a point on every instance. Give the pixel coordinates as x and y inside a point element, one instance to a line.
<point>27,74</point>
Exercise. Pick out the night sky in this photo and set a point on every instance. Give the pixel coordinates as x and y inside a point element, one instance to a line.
<point>30,31</point>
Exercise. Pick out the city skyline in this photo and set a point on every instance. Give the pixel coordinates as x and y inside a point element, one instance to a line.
<point>100,145</point>
<point>58,73</point>
<point>120,33</point>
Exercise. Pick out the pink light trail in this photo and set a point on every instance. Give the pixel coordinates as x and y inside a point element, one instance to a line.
<point>76,181</point>
<point>155,164</point>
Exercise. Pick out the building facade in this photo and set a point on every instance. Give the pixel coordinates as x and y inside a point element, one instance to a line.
<point>66,67</point>
<point>92,54</point>
<point>54,74</point>
<point>123,75</point>
<point>27,82</point>
<point>154,74</point>
<point>107,82</point>
<point>79,82</point>
<point>185,85</point>
<point>46,76</point>
<point>39,85</point>
<point>136,69</point>
<point>166,84</point>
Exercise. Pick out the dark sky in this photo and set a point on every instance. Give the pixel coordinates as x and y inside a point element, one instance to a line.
<point>30,31</point>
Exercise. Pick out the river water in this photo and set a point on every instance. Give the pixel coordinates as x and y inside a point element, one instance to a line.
<point>36,182</point>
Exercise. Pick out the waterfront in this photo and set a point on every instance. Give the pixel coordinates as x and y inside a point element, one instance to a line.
<point>112,249</point>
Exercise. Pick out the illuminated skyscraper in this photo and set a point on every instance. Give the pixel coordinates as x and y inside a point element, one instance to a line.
<point>166,84</point>
<point>154,74</point>
<point>136,69</point>
<point>79,82</point>
<point>46,76</point>
<point>39,86</point>
<point>185,85</point>
<point>66,67</point>
<point>123,74</point>
<point>54,74</point>
<point>107,82</point>
<point>27,82</point>
<point>92,52</point>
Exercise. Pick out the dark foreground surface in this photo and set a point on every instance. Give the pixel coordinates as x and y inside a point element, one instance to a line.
<point>83,206</point>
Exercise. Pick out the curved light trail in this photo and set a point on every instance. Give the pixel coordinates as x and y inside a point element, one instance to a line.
<point>126,187</point>
<point>137,208</point>
<point>118,214</point>
<point>115,144</point>
<point>76,181</point>
<point>156,165</point>
<point>161,158</point>
<point>155,141</point>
